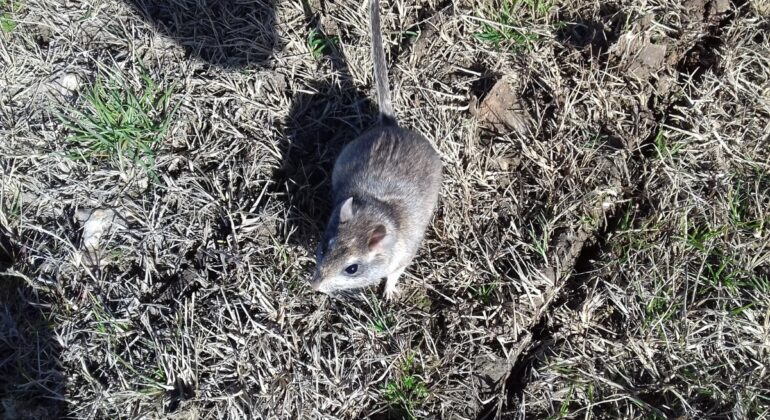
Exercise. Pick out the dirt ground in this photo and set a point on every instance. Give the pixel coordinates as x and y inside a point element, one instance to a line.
<point>601,247</point>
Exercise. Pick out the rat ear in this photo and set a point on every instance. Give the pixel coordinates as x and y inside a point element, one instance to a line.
<point>379,238</point>
<point>346,211</point>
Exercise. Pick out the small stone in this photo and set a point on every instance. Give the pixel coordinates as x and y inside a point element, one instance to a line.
<point>97,224</point>
<point>653,55</point>
<point>68,83</point>
<point>501,109</point>
<point>639,55</point>
<point>491,371</point>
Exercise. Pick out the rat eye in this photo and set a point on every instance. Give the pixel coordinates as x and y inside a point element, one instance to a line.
<point>351,269</point>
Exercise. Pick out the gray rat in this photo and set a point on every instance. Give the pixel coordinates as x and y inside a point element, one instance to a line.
<point>385,187</point>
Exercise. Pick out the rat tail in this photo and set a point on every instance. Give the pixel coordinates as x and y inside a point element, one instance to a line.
<point>380,68</point>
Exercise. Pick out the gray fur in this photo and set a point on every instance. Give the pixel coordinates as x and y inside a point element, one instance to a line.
<point>394,177</point>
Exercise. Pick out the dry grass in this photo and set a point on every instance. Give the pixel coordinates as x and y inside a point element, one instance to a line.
<point>608,258</point>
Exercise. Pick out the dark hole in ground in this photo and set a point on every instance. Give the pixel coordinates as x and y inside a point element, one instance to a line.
<point>173,287</point>
<point>703,56</point>
<point>761,37</point>
<point>225,33</point>
<point>607,138</point>
<point>392,413</point>
<point>593,36</point>
<point>481,86</point>
<point>182,391</point>
<point>538,95</point>
<point>95,369</point>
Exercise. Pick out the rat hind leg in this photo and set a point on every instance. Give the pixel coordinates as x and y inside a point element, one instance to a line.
<point>391,289</point>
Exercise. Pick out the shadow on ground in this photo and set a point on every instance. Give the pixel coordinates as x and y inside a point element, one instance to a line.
<point>328,115</point>
<point>225,33</point>
<point>31,385</point>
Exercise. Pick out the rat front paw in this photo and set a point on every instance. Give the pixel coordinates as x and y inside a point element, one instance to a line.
<point>391,292</point>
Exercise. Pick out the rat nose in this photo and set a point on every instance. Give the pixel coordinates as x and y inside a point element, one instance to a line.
<point>315,281</point>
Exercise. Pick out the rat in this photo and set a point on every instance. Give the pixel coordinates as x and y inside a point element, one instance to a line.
<point>385,187</point>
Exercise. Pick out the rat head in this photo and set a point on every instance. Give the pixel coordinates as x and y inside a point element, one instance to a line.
<point>356,248</point>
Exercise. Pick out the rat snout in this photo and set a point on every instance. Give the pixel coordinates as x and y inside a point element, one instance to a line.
<point>315,281</point>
